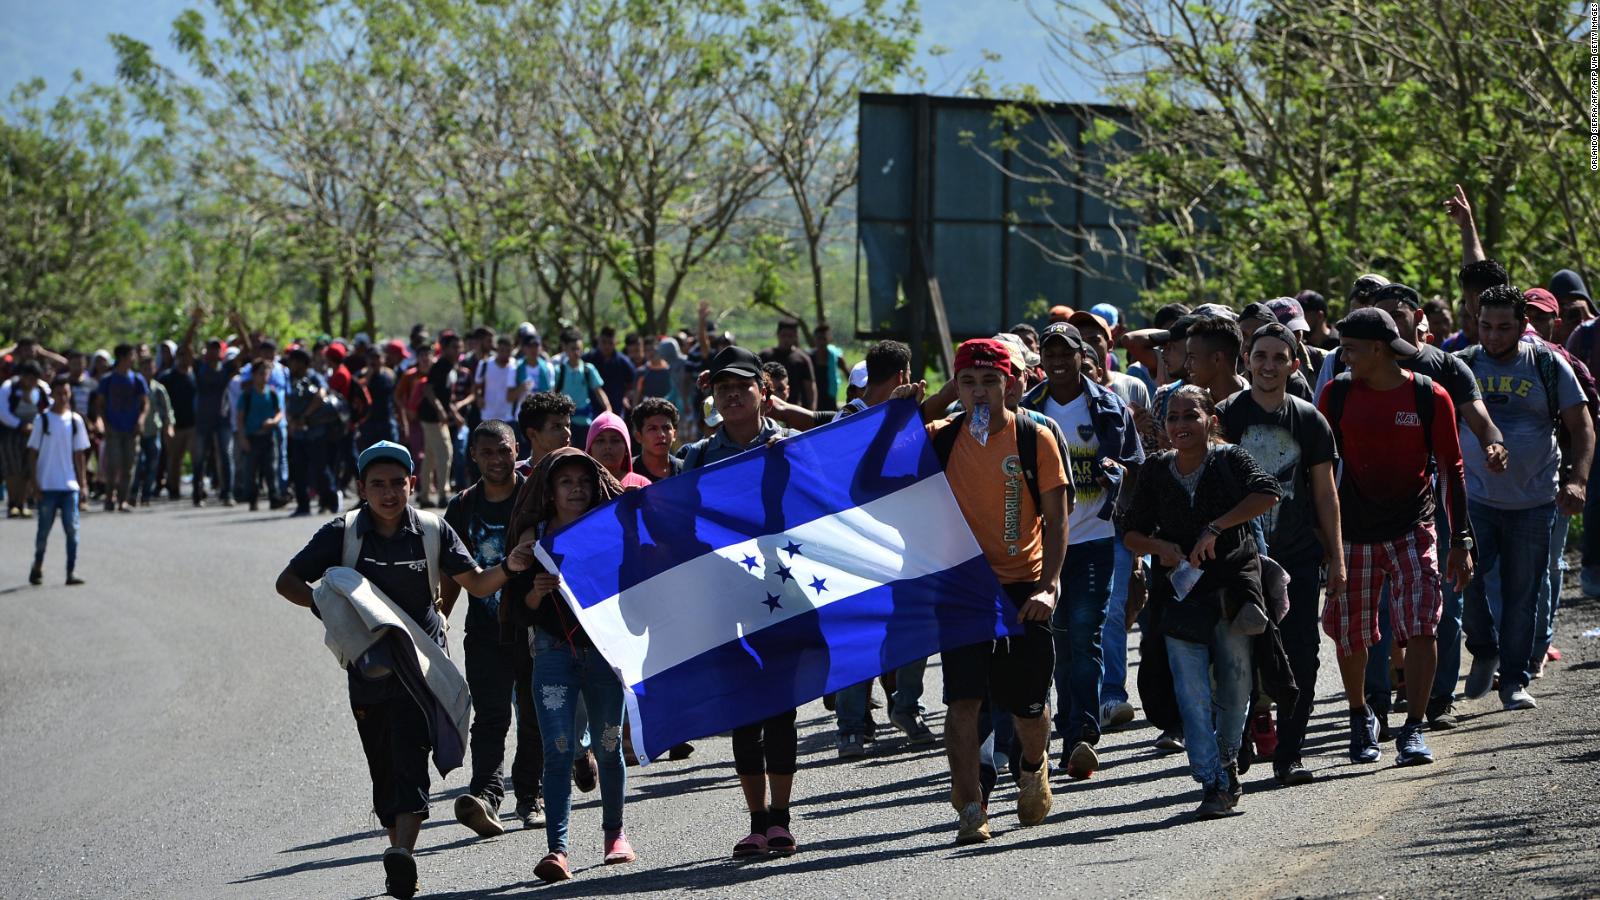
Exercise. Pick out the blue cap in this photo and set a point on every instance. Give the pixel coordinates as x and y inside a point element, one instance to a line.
<point>384,450</point>
<point>1108,312</point>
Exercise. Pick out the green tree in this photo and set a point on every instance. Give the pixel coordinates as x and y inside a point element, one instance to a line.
<point>74,176</point>
<point>809,63</point>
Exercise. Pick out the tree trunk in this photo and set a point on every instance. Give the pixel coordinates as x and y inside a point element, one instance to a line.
<point>324,298</point>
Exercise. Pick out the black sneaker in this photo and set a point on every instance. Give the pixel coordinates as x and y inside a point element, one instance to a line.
<point>1442,713</point>
<point>681,752</point>
<point>1235,791</point>
<point>400,872</point>
<point>479,815</point>
<point>1295,773</point>
<point>36,576</point>
<point>1364,736</point>
<point>73,580</point>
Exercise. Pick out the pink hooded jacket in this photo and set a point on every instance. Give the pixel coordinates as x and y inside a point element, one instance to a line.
<point>610,421</point>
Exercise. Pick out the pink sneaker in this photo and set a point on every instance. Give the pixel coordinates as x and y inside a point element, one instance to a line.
<point>618,849</point>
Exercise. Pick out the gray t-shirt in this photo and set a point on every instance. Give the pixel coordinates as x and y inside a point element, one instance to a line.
<point>1515,397</point>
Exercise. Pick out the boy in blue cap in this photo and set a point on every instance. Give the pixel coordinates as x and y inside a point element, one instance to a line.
<point>392,553</point>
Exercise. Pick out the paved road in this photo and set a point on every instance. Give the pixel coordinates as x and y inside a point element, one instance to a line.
<point>174,729</point>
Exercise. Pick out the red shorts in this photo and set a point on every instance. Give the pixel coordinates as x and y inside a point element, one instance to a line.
<point>1410,565</point>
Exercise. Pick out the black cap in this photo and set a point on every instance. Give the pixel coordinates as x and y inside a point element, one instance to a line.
<point>1365,285</point>
<point>1168,314</point>
<point>1064,331</point>
<point>1259,312</point>
<point>1177,331</point>
<point>1373,324</point>
<point>1282,333</point>
<point>1312,301</point>
<point>1396,292</point>
<point>735,360</point>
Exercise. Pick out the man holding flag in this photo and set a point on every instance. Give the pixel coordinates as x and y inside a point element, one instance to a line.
<point>1012,496</point>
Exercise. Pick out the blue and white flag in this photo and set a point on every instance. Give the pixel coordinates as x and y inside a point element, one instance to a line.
<point>744,589</point>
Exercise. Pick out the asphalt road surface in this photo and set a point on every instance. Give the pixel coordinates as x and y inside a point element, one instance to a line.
<point>175,729</point>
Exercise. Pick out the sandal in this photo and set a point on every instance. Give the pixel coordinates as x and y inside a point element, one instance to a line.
<point>754,844</point>
<point>779,840</point>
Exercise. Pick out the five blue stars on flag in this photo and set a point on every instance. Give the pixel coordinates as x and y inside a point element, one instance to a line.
<point>783,573</point>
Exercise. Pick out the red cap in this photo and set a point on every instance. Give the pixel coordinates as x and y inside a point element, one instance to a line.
<point>984,353</point>
<point>1541,299</point>
<point>398,346</point>
<point>1060,313</point>
<point>334,352</point>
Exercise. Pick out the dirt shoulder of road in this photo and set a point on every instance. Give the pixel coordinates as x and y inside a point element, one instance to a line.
<point>1509,810</point>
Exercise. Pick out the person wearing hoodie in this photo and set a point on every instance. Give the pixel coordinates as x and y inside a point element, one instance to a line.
<point>1584,343</point>
<point>609,444</point>
<point>566,665</point>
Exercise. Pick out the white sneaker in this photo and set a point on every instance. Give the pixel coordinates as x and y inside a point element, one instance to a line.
<point>1115,715</point>
<point>1517,698</point>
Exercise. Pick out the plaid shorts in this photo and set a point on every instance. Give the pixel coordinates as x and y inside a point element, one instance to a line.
<point>1410,565</point>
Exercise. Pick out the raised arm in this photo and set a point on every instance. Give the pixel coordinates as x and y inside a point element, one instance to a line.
<point>1460,212</point>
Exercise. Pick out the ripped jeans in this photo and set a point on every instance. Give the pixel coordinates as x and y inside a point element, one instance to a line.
<point>561,674</point>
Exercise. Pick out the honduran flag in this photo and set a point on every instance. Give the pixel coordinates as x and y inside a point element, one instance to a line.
<point>744,589</point>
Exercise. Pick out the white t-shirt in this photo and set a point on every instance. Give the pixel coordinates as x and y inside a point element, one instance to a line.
<point>67,435</point>
<point>1083,523</point>
<point>496,380</point>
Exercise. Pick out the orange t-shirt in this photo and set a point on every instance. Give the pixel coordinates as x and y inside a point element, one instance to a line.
<point>988,485</point>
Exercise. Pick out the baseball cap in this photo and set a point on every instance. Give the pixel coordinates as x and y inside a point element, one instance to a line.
<point>1086,320</point>
<point>858,375</point>
<point>1279,331</point>
<point>334,352</point>
<point>1109,313</point>
<point>1567,283</point>
<point>735,360</point>
<point>1257,312</point>
<point>398,346</point>
<point>1022,357</point>
<point>1365,285</point>
<point>1060,313</point>
<point>1065,331</point>
<point>1541,299</point>
<point>1399,293</point>
<point>1312,300</point>
<point>1289,313</point>
<point>1373,324</point>
<point>1217,310</point>
<point>1168,314</point>
<point>986,353</point>
<point>384,450</point>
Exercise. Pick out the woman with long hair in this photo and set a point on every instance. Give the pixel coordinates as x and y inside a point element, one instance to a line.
<point>567,668</point>
<point>1191,512</point>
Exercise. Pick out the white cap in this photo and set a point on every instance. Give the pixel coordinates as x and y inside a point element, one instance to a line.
<point>858,375</point>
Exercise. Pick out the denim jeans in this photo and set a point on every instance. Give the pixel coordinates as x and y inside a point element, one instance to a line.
<point>261,465</point>
<point>501,682</point>
<point>1213,724</point>
<point>1302,637</point>
<point>1544,623</point>
<point>562,673</point>
<point>148,470</point>
<point>850,704</point>
<point>1079,617</point>
<point>213,441</point>
<point>50,502</point>
<point>1591,519</point>
<point>1515,545</point>
<point>1114,634</point>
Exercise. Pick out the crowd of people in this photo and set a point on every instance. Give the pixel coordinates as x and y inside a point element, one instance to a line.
<point>1229,485</point>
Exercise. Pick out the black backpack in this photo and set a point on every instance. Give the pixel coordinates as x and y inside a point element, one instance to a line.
<point>944,444</point>
<point>1339,392</point>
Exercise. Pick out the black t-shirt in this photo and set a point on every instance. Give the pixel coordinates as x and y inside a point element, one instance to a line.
<point>380,384</point>
<point>442,381</point>
<point>795,361</point>
<point>553,616</point>
<point>482,525</point>
<point>180,387</point>
<point>1451,373</point>
<point>674,467</point>
<point>1298,387</point>
<point>211,392</point>
<point>1286,443</point>
<point>396,565</point>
